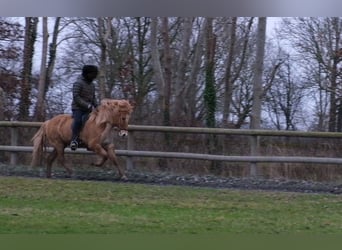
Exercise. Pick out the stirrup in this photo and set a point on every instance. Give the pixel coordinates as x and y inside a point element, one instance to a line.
<point>73,145</point>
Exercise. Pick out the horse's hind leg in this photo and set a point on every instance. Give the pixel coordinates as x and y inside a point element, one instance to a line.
<point>50,159</point>
<point>60,158</point>
<point>58,153</point>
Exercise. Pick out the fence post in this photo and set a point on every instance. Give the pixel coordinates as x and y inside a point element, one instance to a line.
<point>255,151</point>
<point>14,142</point>
<point>130,146</point>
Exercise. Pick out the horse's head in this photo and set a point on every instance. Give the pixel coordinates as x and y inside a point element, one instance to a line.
<point>117,113</point>
<point>123,119</point>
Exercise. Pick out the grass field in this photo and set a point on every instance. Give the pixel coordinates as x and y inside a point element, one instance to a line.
<point>30,205</point>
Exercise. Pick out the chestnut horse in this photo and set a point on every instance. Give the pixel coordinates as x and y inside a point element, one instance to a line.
<point>96,134</point>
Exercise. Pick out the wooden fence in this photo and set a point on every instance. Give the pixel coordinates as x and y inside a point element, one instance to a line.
<point>131,151</point>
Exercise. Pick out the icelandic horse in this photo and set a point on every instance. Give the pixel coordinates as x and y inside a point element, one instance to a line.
<point>96,134</point>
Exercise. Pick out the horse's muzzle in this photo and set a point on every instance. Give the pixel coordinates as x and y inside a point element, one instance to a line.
<point>123,133</point>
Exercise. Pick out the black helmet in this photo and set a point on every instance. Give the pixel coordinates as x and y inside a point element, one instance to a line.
<point>88,69</point>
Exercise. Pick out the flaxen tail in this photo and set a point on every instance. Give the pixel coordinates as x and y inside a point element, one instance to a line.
<point>38,146</point>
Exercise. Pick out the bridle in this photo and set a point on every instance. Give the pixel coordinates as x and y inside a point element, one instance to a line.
<point>123,124</point>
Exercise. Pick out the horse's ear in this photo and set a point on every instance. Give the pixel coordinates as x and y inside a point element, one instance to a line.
<point>105,101</point>
<point>132,103</point>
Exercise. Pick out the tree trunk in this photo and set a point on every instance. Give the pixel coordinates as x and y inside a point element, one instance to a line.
<point>52,54</point>
<point>168,72</point>
<point>157,68</point>
<point>191,89</point>
<point>104,28</point>
<point>257,91</point>
<point>181,111</point>
<point>228,83</point>
<point>335,112</point>
<point>258,71</point>
<point>40,107</point>
<point>210,90</point>
<point>163,82</point>
<point>231,76</point>
<point>2,104</point>
<point>25,92</point>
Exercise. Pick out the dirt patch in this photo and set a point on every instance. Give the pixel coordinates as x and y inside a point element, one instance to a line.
<point>164,178</point>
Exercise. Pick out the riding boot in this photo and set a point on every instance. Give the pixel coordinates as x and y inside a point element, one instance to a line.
<point>74,143</point>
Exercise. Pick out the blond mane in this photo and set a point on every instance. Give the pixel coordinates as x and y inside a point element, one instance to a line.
<point>108,109</point>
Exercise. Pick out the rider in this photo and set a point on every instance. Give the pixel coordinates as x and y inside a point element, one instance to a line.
<point>84,100</point>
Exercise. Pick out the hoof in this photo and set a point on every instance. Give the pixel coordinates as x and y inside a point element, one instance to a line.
<point>72,176</point>
<point>97,164</point>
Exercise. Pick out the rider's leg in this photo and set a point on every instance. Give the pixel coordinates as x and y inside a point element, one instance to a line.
<point>76,128</point>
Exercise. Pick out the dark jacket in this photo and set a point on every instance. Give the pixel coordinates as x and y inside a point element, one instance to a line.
<point>83,94</point>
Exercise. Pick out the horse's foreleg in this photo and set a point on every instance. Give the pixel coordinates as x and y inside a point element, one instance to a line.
<point>101,160</point>
<point>99,150</point>
<point>108,152</point>
<point>112,156</point>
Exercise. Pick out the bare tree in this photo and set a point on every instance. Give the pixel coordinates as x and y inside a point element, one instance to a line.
<point>2,104</point>
<point>320,99</point>
<point>52,53</point>
<point>11,35</point>
<point>158,72</point>
<point>104,30</point>
<point>40,107</point>
<point>136,71</point>
<point>210,88</point>
<point>258,72</point>
<point>257,89</point>
<point>181,81</point>
<point>318,41</point>
<point>25,92</point>
<point>284,97</point>
<point>228,81</point>
<point>48,59</point>
<point>192,100</point>
<point>167,71</point>
<point>236,90</point>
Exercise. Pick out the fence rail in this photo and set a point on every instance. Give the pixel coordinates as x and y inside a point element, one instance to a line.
<point>131,152</point>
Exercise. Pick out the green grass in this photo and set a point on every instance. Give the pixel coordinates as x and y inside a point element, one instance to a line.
<point>58,206</point>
